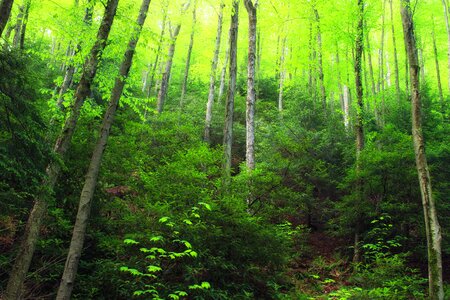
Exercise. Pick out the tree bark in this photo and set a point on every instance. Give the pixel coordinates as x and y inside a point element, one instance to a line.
<point>31,234</point>
<point>212,78</point>
<point>70,70</point>
<point>432,228</point>
<point>369,57</point>
<point>323,95</point>
<point>251,91</point>
<point>394,45</point>
<point>162,93</point>
<point>5,12</point>
<point>282,75</point>
<point>381,73</point>
<point>79,230</point>
<point>359,127</point>
<point>438,73</point>
<point>158,54</point>
<point>229,106</point>
<point>189,54</point>
<point>223,76</point>
<point>447,25</point>
<point>18,28</point>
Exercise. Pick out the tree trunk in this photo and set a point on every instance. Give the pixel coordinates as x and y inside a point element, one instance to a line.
<point>346,106</point>
<point>212,78</point>
<point>369,57</point>
<point>323,95</point>
<point>438,73</point>
<point>229,106</point>
<point>282,75</point>
<point>381,74</point>
<point>447,25</point>
<point>5,12</point>
<point>70,71</point>
<point>158,54</point>
<point>23,30</point>
<point>394,44</point>
<point>251,91</point>
<point>341,94</point>
<point>188,58</point>
<point>31,234</point>
<point>359,127</point>
<point>432,228</point>
<point>162,93</point>
<point>18,28</point>
<point>79,230</point>
<point>223,76</point>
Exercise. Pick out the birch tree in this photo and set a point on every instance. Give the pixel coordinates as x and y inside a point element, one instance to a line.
<point>432,227</point>
<point>39,210</point>
<point>87,194</point>
<point>212,78</point>
<point>229,106</point>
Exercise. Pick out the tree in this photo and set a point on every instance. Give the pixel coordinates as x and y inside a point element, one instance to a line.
<point>432,227</point>
<point>174,32</point>
<point>394,45</point>
<point>251,91</point>
<point>188,58</point>
<point>5,12</point>
<point>31,234</point>
<point>229,106</point>
<point>87,194</point>
<point>359,126</point>
<point>323,95</point>
<point>447,26</point>
<point>212,78</point>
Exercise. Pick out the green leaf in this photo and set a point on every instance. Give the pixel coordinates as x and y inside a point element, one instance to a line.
<point>130,242</point>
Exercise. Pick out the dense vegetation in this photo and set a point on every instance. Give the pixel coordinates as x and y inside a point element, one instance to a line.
<point>302,183</point>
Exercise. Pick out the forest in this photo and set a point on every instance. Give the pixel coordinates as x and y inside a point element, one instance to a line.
<point>224,149</point>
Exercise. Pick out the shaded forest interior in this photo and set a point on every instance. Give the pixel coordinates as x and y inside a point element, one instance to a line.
<point>224,149</point>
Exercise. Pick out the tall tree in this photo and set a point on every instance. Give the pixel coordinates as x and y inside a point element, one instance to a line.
<point>5,12</point>
<point>164,85</point>
<point>394,45</point>
<point>70,70</point>
<point>87,194</point>
<point>148,87</point>
<point>31,234</point>
<point>381,75</point>
<point>229,106</point>
<point>432,227</point>
<point>447,26</point>
<point>323,95</point>
<point>212,77</point>
<point>189,54</point>
<point>282,75</point>
<point>436,61</point>
<point>223,75</point>
<point>251,91</point>
<point>369,57</point>
<point>359,127</point>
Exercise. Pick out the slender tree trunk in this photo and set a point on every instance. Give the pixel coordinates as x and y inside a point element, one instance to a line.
<point>223,76</point>
<point>258,58</point>
<point>406,70</point>
<point>31,234</point>
<point>84,208</point>
<point>188,58</point>
<point>346,106</point>
<point>421,64</point>
<point>70,71</point>
<point>158,54</point>
<point>23,30</point>
<point>447,25</point>
<point>388,70</point>
<point>438,73</point>
<point>369,57</point>
<point>212,78</point>
<point>433,230</point>
<point>311,88</point>
<point>162,93</point>
<point>229,106</point>
<point>282,75</point>
<point>323,95</point>
<point>340,88</point>
<point>5,12</point>
<point>381,74</point>
<point>18,28</point>
<point>394,45</point>
<point>251,91</point>
<point>359,127</point>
